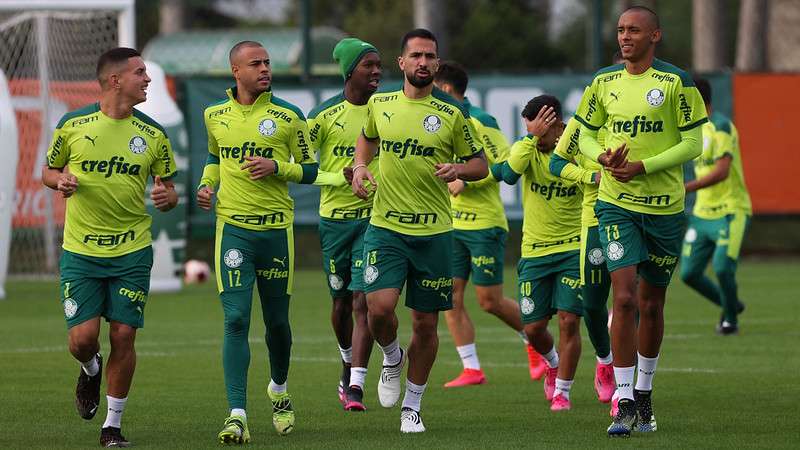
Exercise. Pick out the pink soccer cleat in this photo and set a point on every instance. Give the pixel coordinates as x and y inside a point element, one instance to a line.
<point>468,377</point>
<point>604,383</point>
<point>550,383</point>
<point>560,403</point>
<point>614,404</point>
<point>536,364</point>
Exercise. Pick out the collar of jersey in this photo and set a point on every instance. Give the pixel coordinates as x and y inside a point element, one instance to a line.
<point>264,99</point>
<point>644,74</point>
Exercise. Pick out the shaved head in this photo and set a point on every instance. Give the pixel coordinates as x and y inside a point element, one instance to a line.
<point>652,17</point>
<point>234,53</point>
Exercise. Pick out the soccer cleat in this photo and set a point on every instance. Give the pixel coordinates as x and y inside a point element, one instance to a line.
<point>234,431</point>
<point>536,365</point>
<point>111,437</point>
<point>355,399</point>
<point>87,392</point>
<point>550,383</point>
<point>624,420</point>
<point>410,421</point>
<point>646,420</point>
<point>344,381</point>
<point>727,329</point>
<point>468,377</point>
<point>282,412</point>
<point>389,383</point>
<point>604,383</point>
<point>560,403</point>
<point>614,404</point>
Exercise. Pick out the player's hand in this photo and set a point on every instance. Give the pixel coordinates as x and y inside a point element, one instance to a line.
<point>359,189</point>
<point>596,177</point>
<point>456,187</point>
<point>67,184</point>
<point>628,171</point>
<point>614,158</point>
<point>259,167</point>
<point>204,195</point>
<point>159,194</point>
<point>542,122</point>
<point>447,172</point>
<point>348,174</point>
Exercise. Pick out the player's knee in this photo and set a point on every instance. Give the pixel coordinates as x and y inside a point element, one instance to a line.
<point>343,306</point>
<point>569,323</point>
<point>489,303</point>
<point>122,335</point>
<point>536,329</point>
<point>236,321</point>
<point>80,343</point>
<point>651,308</point>
<point>690,274</point>
<point>624,300</point>
<point>724,270</point>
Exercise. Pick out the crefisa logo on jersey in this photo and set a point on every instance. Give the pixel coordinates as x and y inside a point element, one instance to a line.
<point>267,127</point>
<point>137,144</point>
<point>233,258</point>
<point>596,256</point>
<point>655,97</point>
<point>526,305</point>
<point>432,123</point>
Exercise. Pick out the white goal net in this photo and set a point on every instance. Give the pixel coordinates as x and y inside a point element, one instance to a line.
<point>48,53</point>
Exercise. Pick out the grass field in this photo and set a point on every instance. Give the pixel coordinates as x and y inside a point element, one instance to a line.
<point>710,391</point>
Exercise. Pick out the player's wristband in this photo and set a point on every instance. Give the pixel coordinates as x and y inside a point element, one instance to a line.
<point>358,166</point>
<point>276,167</point>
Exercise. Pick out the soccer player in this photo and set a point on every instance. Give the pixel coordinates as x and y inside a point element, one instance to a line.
<point>479,237</point>
<point>334,128</point>
<point>567,162</point>
<point>100,159</point>
<point>419,131</point>
<point>653,113</point>
<point>549,271</point>
<point>252,134</point>
<point>720,217</point>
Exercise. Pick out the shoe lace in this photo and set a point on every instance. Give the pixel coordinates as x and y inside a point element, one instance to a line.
<point>410,414</point>
<point>234,422</point>
<point>282,406</point>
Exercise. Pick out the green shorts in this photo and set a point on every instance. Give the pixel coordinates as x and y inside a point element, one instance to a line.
<point>115,288</point>
<point>244,257</point>
<point>548,284</point>
<point>394,259</point>
<point>481,253</point>
<point>342,243</point>
<point>721,237</point>
<point>649,241</point>
<point>595,279</point>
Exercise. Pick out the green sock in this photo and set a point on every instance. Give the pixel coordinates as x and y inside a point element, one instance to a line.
<point>725,269</point>
<point>278,336</point>
<point>597,325</point>
<point>235,348</point>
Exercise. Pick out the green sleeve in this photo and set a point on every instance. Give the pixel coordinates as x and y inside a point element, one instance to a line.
<point>563,168</point>
<point>330,179</point>
<point>370,131</point>
<point>518,161</point>
<point>164,164</point>
<point>210,175</point>
<point>466,140</point>
<point>304,168</point>
<point>689,148</point>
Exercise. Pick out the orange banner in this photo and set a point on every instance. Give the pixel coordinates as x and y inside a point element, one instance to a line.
<point>766,110</point>
<point>29,201</point>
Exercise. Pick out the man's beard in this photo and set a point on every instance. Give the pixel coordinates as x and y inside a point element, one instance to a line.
<point>419,82</point>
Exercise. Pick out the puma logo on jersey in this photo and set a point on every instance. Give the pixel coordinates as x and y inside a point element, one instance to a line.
<point>90,139</point>
<point>281,261</point>
<point>388,116</point>
<point>338,125</point>
<point>616,97</point>
<point>225,124</point>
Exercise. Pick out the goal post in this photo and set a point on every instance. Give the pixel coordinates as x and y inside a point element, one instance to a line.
<point>48,53</point>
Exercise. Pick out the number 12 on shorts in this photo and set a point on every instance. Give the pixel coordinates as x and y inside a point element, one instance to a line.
<point>235,278</point>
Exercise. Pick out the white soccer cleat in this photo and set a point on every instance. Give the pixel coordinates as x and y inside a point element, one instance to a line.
<point>410,421</point>
<point>389,383</point>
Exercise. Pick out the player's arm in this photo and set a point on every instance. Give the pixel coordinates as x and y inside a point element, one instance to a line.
<point>163,170</point>
<point>366,149</point>
<point>522,151</point>
<point>53,174</point>
<point>724,143</point>
<point>468,147</point>
<point>303,168</point>
<point>492,137</point>
<point>563,163</point>
<point>210,178</point>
